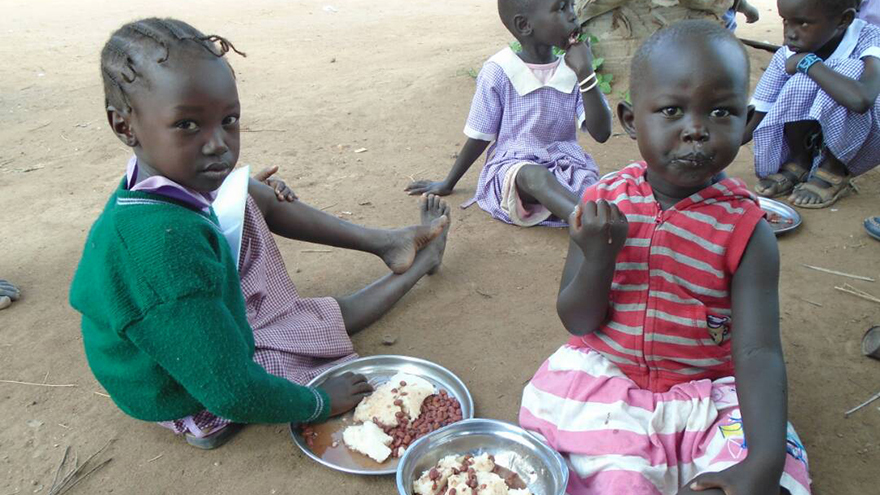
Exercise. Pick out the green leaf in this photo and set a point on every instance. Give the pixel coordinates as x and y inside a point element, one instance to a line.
<point>593,39</point>
<point>597,62</point>
<point>605,88</point>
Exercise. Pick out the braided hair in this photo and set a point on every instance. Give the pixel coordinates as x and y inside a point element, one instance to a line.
<point>136,44</point>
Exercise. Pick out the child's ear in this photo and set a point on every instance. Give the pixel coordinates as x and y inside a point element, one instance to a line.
<point>627,118</point>
<point>522,26</point>
<point>849,15</point>
<point>120,123</point>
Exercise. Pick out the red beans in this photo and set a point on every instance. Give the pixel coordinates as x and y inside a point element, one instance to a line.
<point>437,411</point>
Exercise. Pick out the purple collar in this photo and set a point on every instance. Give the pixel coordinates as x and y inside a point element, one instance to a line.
<point>167,187</point>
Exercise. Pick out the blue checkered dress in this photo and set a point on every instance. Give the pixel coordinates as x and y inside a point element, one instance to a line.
<point>539,126</point>
<point>852,138</point>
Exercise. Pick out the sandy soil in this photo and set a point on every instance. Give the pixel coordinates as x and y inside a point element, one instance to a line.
<point>391,77</point>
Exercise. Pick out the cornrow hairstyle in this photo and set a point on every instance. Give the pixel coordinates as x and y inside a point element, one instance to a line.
<point>687,31</point>
<point>148,41</point>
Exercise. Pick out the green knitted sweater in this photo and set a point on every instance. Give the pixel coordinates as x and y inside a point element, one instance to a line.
<point>164,322</point>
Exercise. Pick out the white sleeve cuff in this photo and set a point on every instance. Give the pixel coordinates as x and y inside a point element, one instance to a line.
<point>762,106</point>
<point>475,134</point>
<point>872,51</point>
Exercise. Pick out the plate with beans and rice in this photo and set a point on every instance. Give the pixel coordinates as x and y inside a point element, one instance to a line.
<point>452,402</point>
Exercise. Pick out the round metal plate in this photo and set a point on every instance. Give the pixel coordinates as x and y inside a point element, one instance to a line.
<point>782,218</point>
<point>539,466</point>
<point>377,369</point>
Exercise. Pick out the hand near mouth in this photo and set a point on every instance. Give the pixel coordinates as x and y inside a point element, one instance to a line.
<point>579,56</point>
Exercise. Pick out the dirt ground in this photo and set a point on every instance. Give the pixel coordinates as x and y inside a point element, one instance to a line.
<point>318,83</point>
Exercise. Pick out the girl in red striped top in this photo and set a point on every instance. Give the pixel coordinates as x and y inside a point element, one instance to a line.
<point>674,380</point>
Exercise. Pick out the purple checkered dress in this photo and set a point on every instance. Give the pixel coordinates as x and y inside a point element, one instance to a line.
<point>851,137</point>
<point>528,122</point>
<point>295,338</point>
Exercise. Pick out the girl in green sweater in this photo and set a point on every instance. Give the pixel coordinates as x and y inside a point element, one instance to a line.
<point>174,329</point>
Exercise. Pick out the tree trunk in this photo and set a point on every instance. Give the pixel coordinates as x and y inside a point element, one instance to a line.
<point>622,25</point>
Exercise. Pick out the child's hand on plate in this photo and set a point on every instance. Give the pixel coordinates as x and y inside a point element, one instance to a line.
<point>598,228</point>
<point>282,192</point>
<point>346,392</point>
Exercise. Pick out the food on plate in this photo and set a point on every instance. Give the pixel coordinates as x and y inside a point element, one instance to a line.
<point>469,475</point>
<point>402,410</point>
<point>368,439</point>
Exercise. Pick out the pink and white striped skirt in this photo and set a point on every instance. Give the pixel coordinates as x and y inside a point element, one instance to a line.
<point>618,438</point>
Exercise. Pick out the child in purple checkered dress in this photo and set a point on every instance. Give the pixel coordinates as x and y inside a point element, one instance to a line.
<point>195,327</point>
<point>530,105</point>
<point>817,116</point>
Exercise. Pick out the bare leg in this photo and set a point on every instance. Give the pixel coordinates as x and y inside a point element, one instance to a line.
<point>535,184</point>
<point>364,307</point>
<point>396,247</point>
<point>8,293</point>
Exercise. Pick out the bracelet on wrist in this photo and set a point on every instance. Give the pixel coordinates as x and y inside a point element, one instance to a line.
<point>808,61</point>
<point>587,80</point>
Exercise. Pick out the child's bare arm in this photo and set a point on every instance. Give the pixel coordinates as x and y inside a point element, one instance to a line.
<point>598,232</point>
<point>857,95</point>
<point>753,124</point>
<point>598,115</point>
<point>760,371</point>
<point>469,153</point>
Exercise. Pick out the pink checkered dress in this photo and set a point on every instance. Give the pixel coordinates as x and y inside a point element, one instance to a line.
<point>852,138</point>
<point>296,338</point>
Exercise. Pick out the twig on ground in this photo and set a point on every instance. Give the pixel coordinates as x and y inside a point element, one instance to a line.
<point>157,457</point>
<point>101,394</point>
<point>760,45</point>
<point>835,272</point>
<point>863,404</point>
<point>328,206</point>
<point>65,137</point>
<point>484,294</point>
<point>849,289</point>
<point>46,378</point>
<point>810,302</point>
<point>15,382</point>
<point>73,477</point>
<point>40,126</point>
<point>316,251</point>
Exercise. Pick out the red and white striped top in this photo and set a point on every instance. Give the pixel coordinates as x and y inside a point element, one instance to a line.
<point>669,315</point>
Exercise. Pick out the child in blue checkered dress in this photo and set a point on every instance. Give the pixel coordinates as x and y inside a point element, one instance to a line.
<point>817,116</point>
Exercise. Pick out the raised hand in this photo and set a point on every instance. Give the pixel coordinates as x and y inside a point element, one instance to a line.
<point>282,192</point>
<point>346,392</point>
<point>420,187</point>
<point>598,228</point>
<point>579,57</point>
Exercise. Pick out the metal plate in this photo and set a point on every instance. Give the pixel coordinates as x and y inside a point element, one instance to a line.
<point>377,369</point>
<point>539,466</point>
<point>782,218</point>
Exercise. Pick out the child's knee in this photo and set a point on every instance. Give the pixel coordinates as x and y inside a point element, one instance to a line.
<point>531,177</point>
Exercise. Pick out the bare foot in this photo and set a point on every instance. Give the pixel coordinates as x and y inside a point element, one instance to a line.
<point>8,293</point>
<point>405,243</point>
<point>752,14</point>
<point>434,209</point>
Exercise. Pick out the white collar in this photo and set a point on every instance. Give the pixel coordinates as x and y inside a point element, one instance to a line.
<point>523,79</point>
<point>847,44</point>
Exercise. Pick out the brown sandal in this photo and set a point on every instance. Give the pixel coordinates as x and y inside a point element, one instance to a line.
<point>789,176</point>
<point>839,186</point>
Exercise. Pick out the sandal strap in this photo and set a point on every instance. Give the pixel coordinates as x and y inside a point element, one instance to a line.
<point>795,169</point>
<point>829,177</point>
